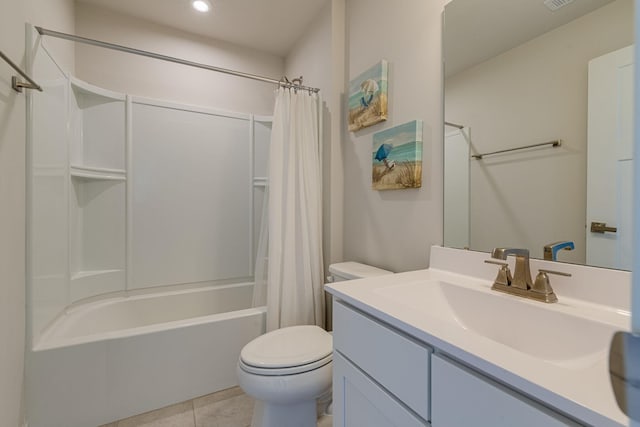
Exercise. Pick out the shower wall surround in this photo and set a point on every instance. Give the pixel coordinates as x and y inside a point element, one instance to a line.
<point>97,200</point>
<point>192,195</point>
<point>129,193</point>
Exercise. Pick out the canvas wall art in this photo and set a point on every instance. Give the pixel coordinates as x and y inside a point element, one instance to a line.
<point>397,157</point>
<point>368,97</point>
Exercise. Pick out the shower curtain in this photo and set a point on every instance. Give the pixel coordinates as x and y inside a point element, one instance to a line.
<point>293,264</point>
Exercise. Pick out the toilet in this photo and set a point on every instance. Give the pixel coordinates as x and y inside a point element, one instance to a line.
<point>287,370</point>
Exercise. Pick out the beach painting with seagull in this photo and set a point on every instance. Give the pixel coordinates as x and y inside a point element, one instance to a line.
<point>397,157</point>
<point>368,97</point>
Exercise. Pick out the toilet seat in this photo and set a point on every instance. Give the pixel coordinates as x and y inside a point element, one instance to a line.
<point>288,351</point>
<point>290,370</point>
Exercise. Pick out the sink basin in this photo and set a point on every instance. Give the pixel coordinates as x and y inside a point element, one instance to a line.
<point>529,327</point>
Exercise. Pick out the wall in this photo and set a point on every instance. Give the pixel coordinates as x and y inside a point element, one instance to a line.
<point>395,229</point>
<point>153,78</point>
<point>15,13</point>
<point>534,93</point>
<point>311,57</point>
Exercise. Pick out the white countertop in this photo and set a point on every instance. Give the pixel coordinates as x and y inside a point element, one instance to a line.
<point>579,388</point>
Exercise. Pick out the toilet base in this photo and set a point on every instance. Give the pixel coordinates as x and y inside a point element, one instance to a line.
<point>325,403</point>
<point>300,414</point>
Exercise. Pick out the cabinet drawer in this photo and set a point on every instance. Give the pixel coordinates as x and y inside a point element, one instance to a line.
<point>462,398</point>
<point>396,362</point>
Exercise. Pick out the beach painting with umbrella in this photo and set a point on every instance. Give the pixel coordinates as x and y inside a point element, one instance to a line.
<point>397,157</point>
<point>368,97</point>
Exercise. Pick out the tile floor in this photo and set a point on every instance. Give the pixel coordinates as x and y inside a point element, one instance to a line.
<point>226,408</point>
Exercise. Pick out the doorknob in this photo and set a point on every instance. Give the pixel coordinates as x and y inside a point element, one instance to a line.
<point>601,227</point>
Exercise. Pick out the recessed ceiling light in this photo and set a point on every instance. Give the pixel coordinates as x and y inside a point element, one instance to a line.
<point>201,5</point>
<point>554,5</point>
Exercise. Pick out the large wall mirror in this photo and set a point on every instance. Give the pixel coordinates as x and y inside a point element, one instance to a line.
<point>524,73</point>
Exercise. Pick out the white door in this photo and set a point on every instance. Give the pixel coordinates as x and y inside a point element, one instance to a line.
<point>635,301</point>
<point>610,160</point>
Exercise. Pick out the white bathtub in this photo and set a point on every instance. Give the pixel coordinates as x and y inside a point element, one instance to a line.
<point>110,359</point>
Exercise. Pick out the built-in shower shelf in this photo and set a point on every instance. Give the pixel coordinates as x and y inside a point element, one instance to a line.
<point>92,273</point>
<point>95,282</point>
<point>93,93</point>
<point>91,173</point>
<point>260,181</point>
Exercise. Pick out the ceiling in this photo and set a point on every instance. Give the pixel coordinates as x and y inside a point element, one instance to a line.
<point>475,31</point>
<point>271,26</point>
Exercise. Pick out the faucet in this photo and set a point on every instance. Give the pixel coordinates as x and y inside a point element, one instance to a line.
<point>522,274</point>
<point>551,249</point>
<point>521,284</point>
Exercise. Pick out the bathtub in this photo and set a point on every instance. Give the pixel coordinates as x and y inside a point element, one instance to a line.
<point>113,358</point>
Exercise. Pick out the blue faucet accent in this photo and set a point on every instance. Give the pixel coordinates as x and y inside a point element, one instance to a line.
<point>551,250</point>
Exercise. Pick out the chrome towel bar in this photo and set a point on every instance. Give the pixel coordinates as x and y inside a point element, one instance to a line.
<point>556,143</point>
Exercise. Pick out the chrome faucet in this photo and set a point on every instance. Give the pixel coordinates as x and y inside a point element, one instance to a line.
<point>521,284</point>
<point>551,249</point>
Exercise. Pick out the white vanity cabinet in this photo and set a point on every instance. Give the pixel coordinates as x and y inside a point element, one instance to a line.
<point>463,397</point>
<point>383,377</point>
<point>434,343</point>
<point>380,376</point>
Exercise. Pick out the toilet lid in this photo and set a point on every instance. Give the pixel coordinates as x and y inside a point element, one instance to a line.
<point>288,347</point>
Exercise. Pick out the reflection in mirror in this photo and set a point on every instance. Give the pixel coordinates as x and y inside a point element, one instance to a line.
<point>519,74</point>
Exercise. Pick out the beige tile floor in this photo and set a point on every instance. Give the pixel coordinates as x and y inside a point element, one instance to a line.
<point>226,408</point>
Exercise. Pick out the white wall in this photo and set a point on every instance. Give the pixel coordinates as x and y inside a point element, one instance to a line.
<point>534,93</point>
<point>311,57</point>
<point>15,13</point>
<point>394,229</point>
<point>153,78</point>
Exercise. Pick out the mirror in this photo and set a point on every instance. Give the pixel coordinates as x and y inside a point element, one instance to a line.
<point>516,75</point>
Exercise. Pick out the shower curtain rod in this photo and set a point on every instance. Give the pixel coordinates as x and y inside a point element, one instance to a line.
<point>287,84</point>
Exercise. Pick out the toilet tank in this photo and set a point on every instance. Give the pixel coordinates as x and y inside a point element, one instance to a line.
<point>347,271</point>
<point>353,270</point>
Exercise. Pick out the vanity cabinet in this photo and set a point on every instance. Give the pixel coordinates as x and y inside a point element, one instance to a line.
<point>383,377</point>
<point>462,397</point>
<point>378,373</point>
<point>360,401</point>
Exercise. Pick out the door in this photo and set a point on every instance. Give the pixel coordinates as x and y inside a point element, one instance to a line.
<point>635,301</point>
<point>610,160</point>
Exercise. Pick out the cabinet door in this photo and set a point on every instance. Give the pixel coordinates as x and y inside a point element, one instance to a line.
<point>358,401</point>
<point>462,398</point>
<point>396,362</point>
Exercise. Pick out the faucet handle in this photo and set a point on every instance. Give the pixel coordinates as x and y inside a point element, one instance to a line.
<point>558,273</point>
<point>504,274</point>
<point>543,286</point>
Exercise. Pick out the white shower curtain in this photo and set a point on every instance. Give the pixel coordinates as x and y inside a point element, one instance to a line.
<point>294,266</point>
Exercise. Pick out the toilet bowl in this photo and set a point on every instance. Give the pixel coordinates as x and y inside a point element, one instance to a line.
<point>287,371</point>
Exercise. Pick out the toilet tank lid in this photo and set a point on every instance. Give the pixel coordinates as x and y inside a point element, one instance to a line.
<point>356,270</point>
